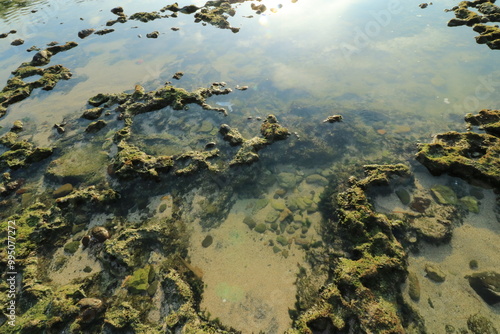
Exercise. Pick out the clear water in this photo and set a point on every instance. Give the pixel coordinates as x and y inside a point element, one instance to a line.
<point>394,71</point>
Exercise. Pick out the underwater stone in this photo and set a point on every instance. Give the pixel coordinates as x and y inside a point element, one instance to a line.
<point>473,264</point>
<point>487,286</point>
<point>207,241</point>
<point>288,180</point>
<point>17,126</point>
<point>432,229</point>
<point>272,216</point>
<point>317,179</point>
<point>250,222</point>
<point>403,195</point>
<point>444,194</point>
<point>63,190</point>
<point>78,165</point>
<point>413,286</point>
<point>470,203</point>
<point>278,205</point>
<point>100,234</point>
<point>282,240</point>
<point>434,273</point>
<point>420,204</point>
<point>260,228</point>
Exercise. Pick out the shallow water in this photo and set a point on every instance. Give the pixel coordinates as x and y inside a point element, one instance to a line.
<point>394,71</point>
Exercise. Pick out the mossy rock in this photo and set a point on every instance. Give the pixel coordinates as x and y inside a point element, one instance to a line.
<point>444,194</point>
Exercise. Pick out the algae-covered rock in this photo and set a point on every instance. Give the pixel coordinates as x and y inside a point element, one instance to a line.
<point>272,130</point>
<point>260,228</point>
<point>471,156</point>
<point>470,203</point>
<point>231,135</point>
<point>444,194</point>
<point>131,162</point>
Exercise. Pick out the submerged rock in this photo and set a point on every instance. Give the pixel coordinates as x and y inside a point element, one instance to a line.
<point>479,324</point>
<point>444,195</point>
<point>63,190</point>
<point>487,286</point>
<point>403,195</point>
<point>100,234</point>
<point>434,273</point>
<point>207,241</point>
<point>413,286</point>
